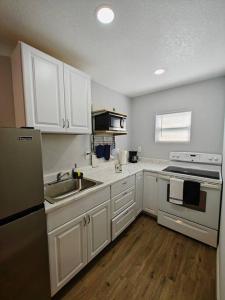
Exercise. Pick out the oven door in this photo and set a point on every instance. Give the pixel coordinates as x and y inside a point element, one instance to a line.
<point>117,122</point>
<point>207,215</point>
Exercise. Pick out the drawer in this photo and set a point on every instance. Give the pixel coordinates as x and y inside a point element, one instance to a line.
<point>123,220</point>
<point>191,229</point>
<point>76,208</point>
<point>122,201</point>
<point>122,185</point>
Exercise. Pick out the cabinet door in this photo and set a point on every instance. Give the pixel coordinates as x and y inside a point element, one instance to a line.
<point>67,252</point>
<point>77,99</point>
<point>99,229</point>
<point>150,201</point>
<point>43,90</point>
<point>139,192</point>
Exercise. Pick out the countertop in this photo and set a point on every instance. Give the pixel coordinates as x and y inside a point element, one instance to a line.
<point>107,175</point>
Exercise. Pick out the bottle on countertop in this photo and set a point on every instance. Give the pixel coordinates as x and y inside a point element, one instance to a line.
<point>76,174</point>
<point>94,161</point>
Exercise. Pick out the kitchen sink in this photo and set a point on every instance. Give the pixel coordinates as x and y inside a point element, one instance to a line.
<point>59,190</point>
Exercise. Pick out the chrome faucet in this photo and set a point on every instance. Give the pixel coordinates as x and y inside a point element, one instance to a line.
<point>60,175</point>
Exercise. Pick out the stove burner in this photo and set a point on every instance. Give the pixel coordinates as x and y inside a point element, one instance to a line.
<point>194,172</point>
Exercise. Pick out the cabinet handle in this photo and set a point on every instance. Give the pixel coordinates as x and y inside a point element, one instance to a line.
<point>125,182</point>
<point>85,221</point>
<point>126,212</point>
<point>68,123</point>
<point>89,219</point>
<point>125,193</point>
<point>63,123</point>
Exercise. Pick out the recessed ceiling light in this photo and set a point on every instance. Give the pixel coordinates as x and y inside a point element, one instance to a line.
<point>159,72</point>
<point>105,14</point>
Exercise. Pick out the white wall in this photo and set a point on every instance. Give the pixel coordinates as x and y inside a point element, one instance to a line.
<point>60,152</point>
<point>205,99</point>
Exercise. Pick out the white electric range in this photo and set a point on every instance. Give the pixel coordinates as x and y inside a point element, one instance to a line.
<point>200,221</point>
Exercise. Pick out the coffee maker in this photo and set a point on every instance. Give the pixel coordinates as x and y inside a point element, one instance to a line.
<point>133,157</point>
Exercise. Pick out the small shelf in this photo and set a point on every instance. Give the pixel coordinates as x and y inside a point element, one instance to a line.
<point>109,132</point>
<point>102,111</point>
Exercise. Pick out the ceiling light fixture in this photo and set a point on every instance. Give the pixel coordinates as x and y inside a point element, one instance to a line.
<point>105,14</point>
<point>159,72</point>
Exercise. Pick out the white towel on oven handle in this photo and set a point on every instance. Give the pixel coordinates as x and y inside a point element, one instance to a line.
<point>176,191</point>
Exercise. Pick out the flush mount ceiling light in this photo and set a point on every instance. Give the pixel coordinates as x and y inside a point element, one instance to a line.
<point>105,14</point>
<point>159,72</point>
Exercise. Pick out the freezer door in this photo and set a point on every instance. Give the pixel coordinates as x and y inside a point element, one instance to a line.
<point>24,267</point>
<point>21,176</point>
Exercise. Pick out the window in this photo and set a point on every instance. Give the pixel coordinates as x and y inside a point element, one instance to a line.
<point>175,127</point>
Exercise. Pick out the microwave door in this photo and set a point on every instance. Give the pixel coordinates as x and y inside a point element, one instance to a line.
<point>117,123</point>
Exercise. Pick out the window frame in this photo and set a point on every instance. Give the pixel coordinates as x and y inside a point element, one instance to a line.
<point>157,141</point>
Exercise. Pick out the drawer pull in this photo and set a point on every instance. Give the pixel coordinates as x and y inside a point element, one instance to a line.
<point>126,212</point>
<point>125,182</point>
<point>125,193</point>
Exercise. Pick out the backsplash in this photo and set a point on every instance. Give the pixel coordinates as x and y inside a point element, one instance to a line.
<point>61,152</point>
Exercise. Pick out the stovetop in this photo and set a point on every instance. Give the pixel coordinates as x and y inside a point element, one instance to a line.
<point>193,172</point>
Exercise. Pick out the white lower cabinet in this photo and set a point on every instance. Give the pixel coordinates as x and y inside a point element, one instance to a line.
<point>81,230</point>
<point>122,201</point>
<point>150,201</point>
<point>67,252</point>
<point>99,231</point>
<point>74,244</point>
<point>139,192</point>
<point>123,220</point>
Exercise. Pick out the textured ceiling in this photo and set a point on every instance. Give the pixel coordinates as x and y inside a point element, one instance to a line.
<point>186,37</point>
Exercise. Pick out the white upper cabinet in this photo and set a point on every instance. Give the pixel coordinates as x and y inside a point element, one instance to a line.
<point>43,90</point>
<point>40,83</point>
<point>77,100</point>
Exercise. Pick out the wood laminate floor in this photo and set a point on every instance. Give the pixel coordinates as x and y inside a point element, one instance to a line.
<point>147,262</point>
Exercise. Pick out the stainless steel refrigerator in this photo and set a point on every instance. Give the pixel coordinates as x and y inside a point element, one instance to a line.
<point>24,266</point>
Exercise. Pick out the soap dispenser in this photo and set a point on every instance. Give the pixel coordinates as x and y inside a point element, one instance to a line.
<point>76,174</point>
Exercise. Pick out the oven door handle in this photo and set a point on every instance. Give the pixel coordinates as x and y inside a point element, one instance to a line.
<point>210,185</point>
<point>203,183</point>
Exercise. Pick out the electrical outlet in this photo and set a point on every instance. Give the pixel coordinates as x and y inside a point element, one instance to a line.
<point>87,155</point>
<point>139,148</point>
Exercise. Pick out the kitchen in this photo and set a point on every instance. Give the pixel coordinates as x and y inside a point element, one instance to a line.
<point>123,170</point>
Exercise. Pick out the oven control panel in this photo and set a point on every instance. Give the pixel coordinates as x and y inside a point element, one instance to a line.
<point>204,158</point>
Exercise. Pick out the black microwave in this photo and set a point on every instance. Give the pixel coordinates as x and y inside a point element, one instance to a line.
<point>110,121</point>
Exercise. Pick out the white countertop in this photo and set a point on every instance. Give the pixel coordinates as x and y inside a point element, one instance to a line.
<point>107,175</point>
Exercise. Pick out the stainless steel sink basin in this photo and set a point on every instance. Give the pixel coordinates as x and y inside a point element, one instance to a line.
<point>56,191</point>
